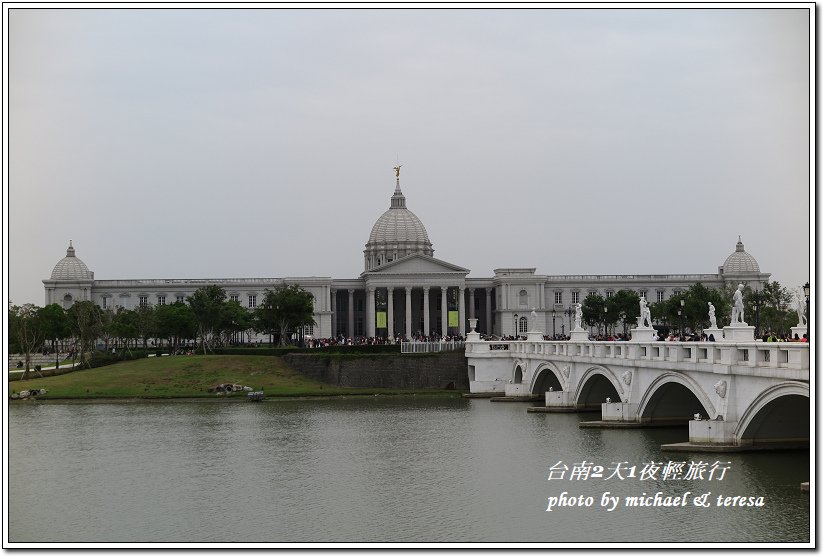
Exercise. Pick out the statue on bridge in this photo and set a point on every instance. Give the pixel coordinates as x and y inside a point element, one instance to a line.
<point>533,317</point>
<point>737,317</point>
<point>800,308</point>
<point>645,317</point>
<point>713,324</point>
<point>578,315</point>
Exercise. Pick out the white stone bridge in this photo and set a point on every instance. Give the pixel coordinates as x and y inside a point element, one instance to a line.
<point>746,393</point>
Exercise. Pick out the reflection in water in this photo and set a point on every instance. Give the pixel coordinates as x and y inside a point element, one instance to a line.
<point>379,469</point>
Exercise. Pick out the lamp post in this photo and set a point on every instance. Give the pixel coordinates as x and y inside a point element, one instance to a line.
<point>605,321</point>
<point>681,335</point>
<point>516,327</point>
<point>757,299</point>
<point>807,311</point>
<point>553,324</point>
<point>682,313</point>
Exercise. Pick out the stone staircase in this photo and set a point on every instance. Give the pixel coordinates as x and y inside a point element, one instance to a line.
<point>36,359</point>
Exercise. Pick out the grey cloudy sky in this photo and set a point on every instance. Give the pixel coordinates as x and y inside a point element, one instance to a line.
<point>260,143</point>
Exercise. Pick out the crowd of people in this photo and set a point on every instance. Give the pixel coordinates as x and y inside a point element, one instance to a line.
<point>671,337</point>
<point>342,340</point>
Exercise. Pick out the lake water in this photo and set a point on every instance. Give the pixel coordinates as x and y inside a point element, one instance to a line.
<point>375,469</point>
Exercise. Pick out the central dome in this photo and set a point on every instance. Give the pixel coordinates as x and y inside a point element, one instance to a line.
<point>397,233</point>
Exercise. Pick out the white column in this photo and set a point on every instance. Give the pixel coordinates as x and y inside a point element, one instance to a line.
<point>334,295</point>
<point>390,312</point>
<point>489,311</point>
<point>408,312</point>
<point>472,303</point>
<point>426,329</point>
<point>461,312</point>
<point>370,311</point>
<point>444,313</point>
<point>351,317</point>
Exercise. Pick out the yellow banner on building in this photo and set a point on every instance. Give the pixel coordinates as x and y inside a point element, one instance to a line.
<point>453,318</point>
<point>381,321</point>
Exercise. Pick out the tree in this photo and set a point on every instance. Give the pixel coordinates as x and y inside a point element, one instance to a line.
<point>55,325</point>
<point>124,325</point>
<point>145,323</point>
<point>106,321</point>
<point>264,316</point>
<point>695,311</point>
<point>287,307</point>
<point>769,307</point>
<point>26,331</point>
<point>85,324</point>
<point>207,307</point>
<point>234,320</point>
<point>624,306</point>
<point>175,322</point>
<point>592,310</point>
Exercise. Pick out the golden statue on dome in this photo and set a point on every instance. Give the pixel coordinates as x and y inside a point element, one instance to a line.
<point>398,171</point>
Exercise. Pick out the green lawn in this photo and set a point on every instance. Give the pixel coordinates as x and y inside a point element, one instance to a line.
<point>189,376</point>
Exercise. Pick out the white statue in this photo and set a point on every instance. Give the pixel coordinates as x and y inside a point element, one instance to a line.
<point>534,317</point>
<point>713,324</point>
<point>738,306</point>
<point>800,307</point>
<point>578,315</point>
<point>645,314</point>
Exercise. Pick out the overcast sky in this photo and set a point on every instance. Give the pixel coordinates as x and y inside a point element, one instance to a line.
<point>260,143</point>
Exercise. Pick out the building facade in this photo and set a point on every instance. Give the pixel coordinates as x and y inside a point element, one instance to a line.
<point>404,290</point>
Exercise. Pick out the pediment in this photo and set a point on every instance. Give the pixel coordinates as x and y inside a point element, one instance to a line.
<point>417,264</point>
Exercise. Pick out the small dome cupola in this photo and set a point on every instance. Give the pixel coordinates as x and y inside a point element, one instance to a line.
<point>740,261</point>
<point>397,233</point>
<point>71,267</point>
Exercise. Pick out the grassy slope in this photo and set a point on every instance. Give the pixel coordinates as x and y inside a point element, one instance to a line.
<point>188,376</point>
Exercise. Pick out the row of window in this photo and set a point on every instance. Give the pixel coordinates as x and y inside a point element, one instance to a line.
<point>143,301</point>
<point>522,295</point>
<point>576,296</point>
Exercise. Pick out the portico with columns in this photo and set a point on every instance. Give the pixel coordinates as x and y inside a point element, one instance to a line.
<point>416,294</point>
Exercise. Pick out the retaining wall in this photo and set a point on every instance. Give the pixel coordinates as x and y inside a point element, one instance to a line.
<point>410,371</point>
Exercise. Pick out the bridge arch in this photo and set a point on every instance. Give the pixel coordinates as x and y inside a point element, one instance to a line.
<point>596,385</point>
<point>674,397</point>
<point>546,375</point>
<point>779,415</point>
<point>518,371</point>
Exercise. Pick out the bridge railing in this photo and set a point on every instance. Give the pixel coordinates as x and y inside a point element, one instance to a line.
<point>790,355</point>
<point>414,347</point>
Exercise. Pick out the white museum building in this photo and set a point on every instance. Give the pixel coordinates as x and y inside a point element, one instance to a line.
<point>404,289</point>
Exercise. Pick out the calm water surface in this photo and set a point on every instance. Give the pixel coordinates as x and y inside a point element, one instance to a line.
<point>382,469</point>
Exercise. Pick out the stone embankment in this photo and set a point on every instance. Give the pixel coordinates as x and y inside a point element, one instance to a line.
<point>400,371</point>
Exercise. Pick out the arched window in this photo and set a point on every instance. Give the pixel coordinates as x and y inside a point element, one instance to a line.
<point>519,375</point>
<point>523,298</point>
<point>522,325</point>
<point>67,301</point>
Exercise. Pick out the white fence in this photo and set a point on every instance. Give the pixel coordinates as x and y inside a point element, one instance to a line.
<point>424,347</point>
